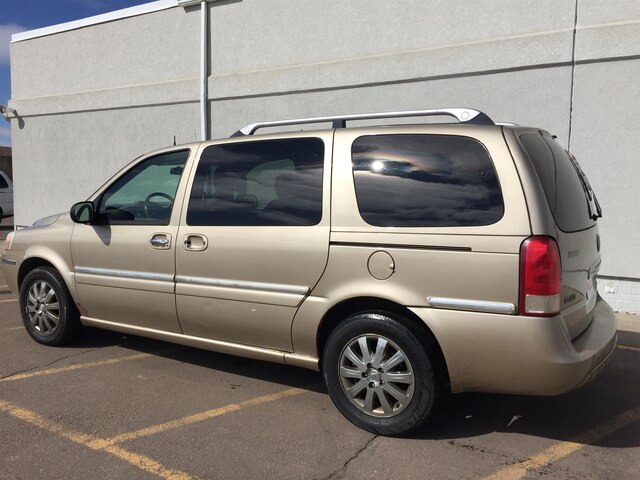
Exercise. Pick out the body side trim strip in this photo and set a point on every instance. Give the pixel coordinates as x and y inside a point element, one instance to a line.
<point>108,272</point>
<point>400,245</point>
<point>203,281</point>
<point>472,305</point>
<point>8,261</point>
<point>241,284</point>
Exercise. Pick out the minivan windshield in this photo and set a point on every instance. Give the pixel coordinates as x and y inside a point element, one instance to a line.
<point>569,194</point>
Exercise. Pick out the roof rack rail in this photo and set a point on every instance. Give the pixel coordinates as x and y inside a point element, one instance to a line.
<point>464,115</point>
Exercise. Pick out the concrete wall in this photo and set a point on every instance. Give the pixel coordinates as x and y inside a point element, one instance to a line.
<point>94,98</point>
<point>361,56</point>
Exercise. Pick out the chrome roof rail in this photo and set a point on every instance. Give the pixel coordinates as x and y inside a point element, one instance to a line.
<point>464,115</point>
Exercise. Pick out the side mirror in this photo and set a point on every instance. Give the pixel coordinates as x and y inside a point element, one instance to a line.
<point>83,212</point>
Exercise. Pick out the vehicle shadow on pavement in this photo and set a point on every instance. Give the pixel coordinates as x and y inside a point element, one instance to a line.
<point>285,375</point>
<point>584,416</point>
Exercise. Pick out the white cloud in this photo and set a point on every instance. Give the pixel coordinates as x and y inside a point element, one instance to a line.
<point>5,134</point>
<point>6,30</point>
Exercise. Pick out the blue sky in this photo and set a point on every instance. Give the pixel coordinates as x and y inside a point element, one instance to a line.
<point>20,15</point>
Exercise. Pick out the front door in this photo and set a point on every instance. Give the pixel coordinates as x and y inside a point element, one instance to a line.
<point>254,238</point>
<point>125,262</point>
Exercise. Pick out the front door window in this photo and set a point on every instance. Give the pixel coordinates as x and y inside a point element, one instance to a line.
<point>145,194</point>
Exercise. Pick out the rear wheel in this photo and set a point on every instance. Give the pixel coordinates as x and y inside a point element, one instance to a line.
<point>381,374</point>
<point>48,311</point>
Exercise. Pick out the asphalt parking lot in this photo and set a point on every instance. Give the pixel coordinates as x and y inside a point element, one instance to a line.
<point>116,406</point>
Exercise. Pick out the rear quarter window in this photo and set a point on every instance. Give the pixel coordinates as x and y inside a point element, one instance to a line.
<point>560,181</point>
<point>425,181</point>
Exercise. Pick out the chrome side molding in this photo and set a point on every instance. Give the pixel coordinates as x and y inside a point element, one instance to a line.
<point>204,281</point>
<point>472,305</point>
<point>108,272</point>
<point>243,285</point>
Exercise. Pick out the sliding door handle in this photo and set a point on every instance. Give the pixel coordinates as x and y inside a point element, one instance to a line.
<point>195,242</point>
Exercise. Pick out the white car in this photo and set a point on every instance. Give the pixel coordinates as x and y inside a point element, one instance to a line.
<point>6,196</point>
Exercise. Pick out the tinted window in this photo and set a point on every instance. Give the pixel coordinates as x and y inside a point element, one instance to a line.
<point>145,194</point>
<point>562,185</point>
<point>269,182</point>
<point>425,181</point>
<point>3,182</point>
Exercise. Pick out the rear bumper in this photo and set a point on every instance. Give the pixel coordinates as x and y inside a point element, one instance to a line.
<point>520,355</point>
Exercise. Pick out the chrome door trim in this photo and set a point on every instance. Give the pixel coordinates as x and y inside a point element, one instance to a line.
<point>108,272</point>
<point>472,305</point>
<point>243,285</point>
<point>8,261</point>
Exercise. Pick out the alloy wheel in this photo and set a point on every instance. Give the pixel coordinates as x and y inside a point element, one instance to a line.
<point>376,375</point>
<point>43,309</point>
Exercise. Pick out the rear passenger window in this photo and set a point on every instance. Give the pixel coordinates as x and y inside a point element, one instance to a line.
<point>263,183</point>
<point>425,181</point>
<point>568,198</point>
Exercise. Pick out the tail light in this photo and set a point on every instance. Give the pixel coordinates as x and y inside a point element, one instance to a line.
<point>540,277</point>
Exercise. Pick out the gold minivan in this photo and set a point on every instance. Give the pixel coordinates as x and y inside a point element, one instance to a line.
<point>401,261</point>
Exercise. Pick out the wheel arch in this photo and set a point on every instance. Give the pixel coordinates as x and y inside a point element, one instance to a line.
<point>41,259</point>
<point>31,264</point>
<point>339,312</point>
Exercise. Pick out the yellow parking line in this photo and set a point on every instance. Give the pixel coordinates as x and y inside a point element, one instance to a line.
<point>11,329</point>
<point>564,449</point>
<point>142,462</point>
<point>39,373</point>
<point>10,300</point>
<point>198,417</point>
<point>628,347</point>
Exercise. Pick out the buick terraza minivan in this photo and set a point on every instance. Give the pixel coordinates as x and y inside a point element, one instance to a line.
<point>403,262</point>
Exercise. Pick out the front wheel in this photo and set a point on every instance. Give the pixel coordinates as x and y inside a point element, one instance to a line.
<point>382,375</point>
<point>48,312</point>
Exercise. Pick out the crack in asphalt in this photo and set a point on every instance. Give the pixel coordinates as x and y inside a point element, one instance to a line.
<point>340,473</point>
<point>501,456</point>
<point>26,370</point>
<point>507,459</point>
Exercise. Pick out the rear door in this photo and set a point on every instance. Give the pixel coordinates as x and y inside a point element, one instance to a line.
<point>254,238</point>
<point>575,210</point>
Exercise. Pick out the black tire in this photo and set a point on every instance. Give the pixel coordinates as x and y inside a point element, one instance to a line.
<point>42,289</point>
<point>390,334</point>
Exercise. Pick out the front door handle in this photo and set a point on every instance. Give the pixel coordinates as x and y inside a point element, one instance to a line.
<point>160,241</point>
<point>195,242</point>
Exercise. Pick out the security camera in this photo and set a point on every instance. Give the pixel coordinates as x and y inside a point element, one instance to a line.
<point>7,112</point>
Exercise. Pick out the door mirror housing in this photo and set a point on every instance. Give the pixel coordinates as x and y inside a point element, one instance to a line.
<point>83,212</point>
